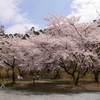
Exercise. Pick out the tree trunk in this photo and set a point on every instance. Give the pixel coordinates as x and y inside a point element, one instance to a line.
<point>33,80</point>
<point>13,71</point>
<point>57,74</point>
<point>76,81</point>
<point>96,76</point>
<point>13,75</point>
<point>7,73</point>
<point>0,75</point>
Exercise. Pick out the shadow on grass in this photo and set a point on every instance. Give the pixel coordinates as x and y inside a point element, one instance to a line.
<point>46,87</point>
<point>55,86</point>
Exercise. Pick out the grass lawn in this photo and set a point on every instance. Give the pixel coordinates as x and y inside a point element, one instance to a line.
<point>54,86</point>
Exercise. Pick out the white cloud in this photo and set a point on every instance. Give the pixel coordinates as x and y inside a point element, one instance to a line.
<point>21,28</point>
<point>10,13</point>
<point>8,10</point>
<point>86,9</point>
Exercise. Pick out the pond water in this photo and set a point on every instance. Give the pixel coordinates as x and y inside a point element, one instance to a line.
<point>16,95</point>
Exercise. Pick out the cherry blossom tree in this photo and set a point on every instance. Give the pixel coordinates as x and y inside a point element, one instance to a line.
<point>65,44</point>
<point>95,66</point>
<point>13,50</point>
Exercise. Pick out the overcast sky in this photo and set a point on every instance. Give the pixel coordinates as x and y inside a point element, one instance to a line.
<point>16,15</point>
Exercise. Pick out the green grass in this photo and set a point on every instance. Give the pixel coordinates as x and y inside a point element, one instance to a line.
<point>47,86</point>
<point>60,80</point>
<point>53,86</point>
<point>37,88</point>
<point>40,85</point>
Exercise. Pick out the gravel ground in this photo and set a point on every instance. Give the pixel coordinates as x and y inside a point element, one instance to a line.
<point>6,94</point>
